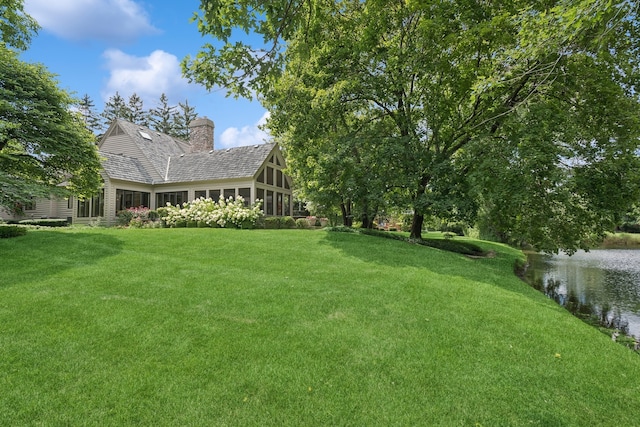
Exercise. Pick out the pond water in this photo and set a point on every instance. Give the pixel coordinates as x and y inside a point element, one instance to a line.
<point>603,283</point>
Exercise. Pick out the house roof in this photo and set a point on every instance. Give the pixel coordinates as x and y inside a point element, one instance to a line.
<point>118,166</point>
<point>168,160</point>
<point>239,162</point>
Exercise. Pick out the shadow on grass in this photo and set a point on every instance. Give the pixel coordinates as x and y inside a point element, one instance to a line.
<point>41,253</point>
<point>491,270</point>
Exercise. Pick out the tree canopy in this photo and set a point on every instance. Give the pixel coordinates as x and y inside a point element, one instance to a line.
<point>525,112</point>
<point>45,147</point>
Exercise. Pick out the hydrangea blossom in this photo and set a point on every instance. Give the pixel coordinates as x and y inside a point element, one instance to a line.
<point>223,213</point>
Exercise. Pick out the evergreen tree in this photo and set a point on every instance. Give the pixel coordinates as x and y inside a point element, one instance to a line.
<point>161,117</point>
<point>182,119</point>
<point>89,115</point>
<point>115,108</point>
<point>136,114</point>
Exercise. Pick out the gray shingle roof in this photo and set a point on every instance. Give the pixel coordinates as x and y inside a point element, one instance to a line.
<point>163,150</point>
<point>125,168</point>
<point>239,162</point>
<point>158,149</point>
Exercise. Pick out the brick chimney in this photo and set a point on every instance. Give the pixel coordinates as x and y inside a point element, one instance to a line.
<point>201,135</point>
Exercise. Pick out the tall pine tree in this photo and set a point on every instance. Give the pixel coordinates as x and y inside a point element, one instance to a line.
<point>136,114</point>
<point>161,117</point>
<point>91,118</point>
<point>182,119</point>
<point>115,108</point>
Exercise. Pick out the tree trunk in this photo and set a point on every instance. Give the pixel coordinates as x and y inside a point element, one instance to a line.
<point>347,218</point>
<point>366,222</point>
<point>416,226</point>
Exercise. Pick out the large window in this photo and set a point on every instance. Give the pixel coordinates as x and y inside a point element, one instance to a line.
<point>126,199</point>
<point>173,197</point>
<point>214,195</point>
<point>229,192</point>
<point>279,204</point>
<point>245,193</point>
<point>268,203</point>
<point>287,204</point>
<point>260,195</point>
<point>91,208</point>
<point>269,175</point>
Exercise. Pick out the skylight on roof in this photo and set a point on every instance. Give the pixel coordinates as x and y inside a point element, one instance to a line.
<point>145,135</point>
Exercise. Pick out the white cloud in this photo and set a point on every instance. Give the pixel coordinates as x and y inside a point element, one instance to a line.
<point>107,20</point>
<point>247,135</point>
<point>147,76</point>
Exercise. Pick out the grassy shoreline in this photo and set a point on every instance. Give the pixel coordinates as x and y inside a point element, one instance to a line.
<point>290,327</point>
<point>621,241</point>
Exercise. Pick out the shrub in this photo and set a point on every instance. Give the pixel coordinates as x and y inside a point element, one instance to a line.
<point>7,231</point>
<point>45,222</point>
<point>457,246</point>
<point>271,222</point>
<point>342,229</point>
<point>302,223</point>
<point>453,227</point>
<point>629,227</point>
<point>124,217</point>
<point>287,222</point>
<point>223,213</point>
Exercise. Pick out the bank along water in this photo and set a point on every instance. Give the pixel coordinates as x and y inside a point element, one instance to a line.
<point>601,285</point>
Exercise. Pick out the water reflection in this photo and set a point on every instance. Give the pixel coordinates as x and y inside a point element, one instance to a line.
<point>600,284</point>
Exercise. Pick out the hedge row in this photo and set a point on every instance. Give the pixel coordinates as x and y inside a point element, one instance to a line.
<point>457,246</point>
<point>45,222</point>
<point>7,231</point>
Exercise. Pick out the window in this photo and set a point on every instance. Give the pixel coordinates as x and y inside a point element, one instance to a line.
<point>261,176</point>
<point>97,205</point>
<point>126,199</point>
<point>269,175</point>
<point>173,197</point>
<point>279,204</point>
<point>201,193</point>
<point>287,183</point>
<point>91,208</point>
<point>214,195</point>
<point>278,161</point>
<point>70,203</point>
<point>30,205</point>
<point>279,178</point>
<point>287,204</point>
<point>229,192</point>
<point>268,203</point>
<point>245,193</point>
<point>260,195</point>
<point>84,208</point>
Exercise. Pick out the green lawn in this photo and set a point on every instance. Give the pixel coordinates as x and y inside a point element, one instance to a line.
<point>220,327</point>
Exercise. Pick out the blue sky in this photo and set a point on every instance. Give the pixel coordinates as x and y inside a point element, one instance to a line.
<point>98,47</point>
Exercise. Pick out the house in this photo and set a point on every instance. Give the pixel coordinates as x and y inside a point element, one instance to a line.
<point>143,167</point>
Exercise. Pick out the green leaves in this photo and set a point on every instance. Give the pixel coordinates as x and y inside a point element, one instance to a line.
<point>445,106</point>
<point>44,145</point>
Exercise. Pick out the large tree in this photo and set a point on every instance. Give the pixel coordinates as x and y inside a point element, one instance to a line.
<point>91,118</point>
<point>161,117</point>
<point>16,27</point>
<point>45,147</point>
<point>115,108</point>
<point>527,108</point>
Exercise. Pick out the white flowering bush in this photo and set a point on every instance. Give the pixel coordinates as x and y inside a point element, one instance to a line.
<point>203,212</point>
